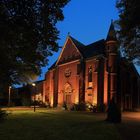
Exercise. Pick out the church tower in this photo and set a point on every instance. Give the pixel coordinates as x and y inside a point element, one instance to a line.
<point>111,63</point>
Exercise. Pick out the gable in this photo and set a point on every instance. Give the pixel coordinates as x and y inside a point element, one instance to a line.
<point>69,52</point>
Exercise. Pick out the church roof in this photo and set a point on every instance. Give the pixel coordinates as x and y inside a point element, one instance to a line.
<point>52,66</point>
<point>78,44</point>
<point>94,49</point>
<point>90,50</point>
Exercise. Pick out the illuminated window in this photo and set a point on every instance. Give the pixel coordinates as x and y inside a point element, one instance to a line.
<point>90,76</point>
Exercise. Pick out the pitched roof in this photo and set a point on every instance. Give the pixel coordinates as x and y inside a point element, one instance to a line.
<point>52,66</point>
<point>94,49</point>
<point>90,50</point>
<point>78,44</point>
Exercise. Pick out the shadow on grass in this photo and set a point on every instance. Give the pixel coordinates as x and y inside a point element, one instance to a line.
<point>129,129</point>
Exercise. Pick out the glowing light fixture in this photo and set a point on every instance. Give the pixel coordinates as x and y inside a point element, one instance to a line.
<point>33,84</point>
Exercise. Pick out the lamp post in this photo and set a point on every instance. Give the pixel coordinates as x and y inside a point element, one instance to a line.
<point>9,95</point>
<point>34,85</point>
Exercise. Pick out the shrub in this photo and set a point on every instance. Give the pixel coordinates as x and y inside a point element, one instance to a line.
<point>3,115</point>
<point>73,107</point>
<point>101,108</point>
<point>65,106</point>
<point>47,104</point>
<point>78,107</point>
<point>82,106</point>
<point>40,104</point>
<point>89,106</point>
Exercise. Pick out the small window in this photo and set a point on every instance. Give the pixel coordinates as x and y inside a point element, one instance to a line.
<point>90,76</point>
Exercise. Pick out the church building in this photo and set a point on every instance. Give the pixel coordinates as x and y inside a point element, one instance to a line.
<point>93,73</point>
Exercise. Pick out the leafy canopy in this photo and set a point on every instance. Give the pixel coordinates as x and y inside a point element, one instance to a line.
<point>28,36</point>
<point>129,21</point>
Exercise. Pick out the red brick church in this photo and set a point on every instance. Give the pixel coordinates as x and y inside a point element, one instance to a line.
<point>93,73</point>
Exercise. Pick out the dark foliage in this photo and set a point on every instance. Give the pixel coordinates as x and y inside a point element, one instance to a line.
<point>3,115</point>
<point>95,108</point>
<point>129,24</point>
<point>65,106</point>
<point>78,107</point>
<point>40,104</point>
<point>28,36</point>
<point>113,113</point>
<point>101,108</point>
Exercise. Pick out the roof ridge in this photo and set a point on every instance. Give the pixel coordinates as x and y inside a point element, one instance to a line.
<point>73,39</point>
<point>98,41</point>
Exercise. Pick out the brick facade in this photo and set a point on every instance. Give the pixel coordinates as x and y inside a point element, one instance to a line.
<point>90,74</point>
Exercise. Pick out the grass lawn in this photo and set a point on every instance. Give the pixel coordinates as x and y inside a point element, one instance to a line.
<point>56,125</point>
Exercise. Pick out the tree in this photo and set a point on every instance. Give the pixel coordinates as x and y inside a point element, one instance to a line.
<point>113,112</point>
<point>28,36</point>
<point>129,22</point>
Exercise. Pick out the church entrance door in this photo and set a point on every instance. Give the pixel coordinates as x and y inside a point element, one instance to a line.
<point>68,93</point>
<point>68,99</point>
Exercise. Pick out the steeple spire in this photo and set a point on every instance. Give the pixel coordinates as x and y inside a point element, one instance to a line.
<point>111,36</point>
<point>68,33</point>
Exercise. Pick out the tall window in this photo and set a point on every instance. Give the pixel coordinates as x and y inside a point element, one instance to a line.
<point>90,76</point>
<point>78,69</point>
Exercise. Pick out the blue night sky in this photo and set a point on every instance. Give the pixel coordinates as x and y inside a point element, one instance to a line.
<point>87,21</point>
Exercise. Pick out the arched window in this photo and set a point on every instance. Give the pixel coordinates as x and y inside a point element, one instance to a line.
<point>90,76</point>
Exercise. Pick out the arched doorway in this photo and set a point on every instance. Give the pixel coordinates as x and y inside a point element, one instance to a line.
<point>68,93</point>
